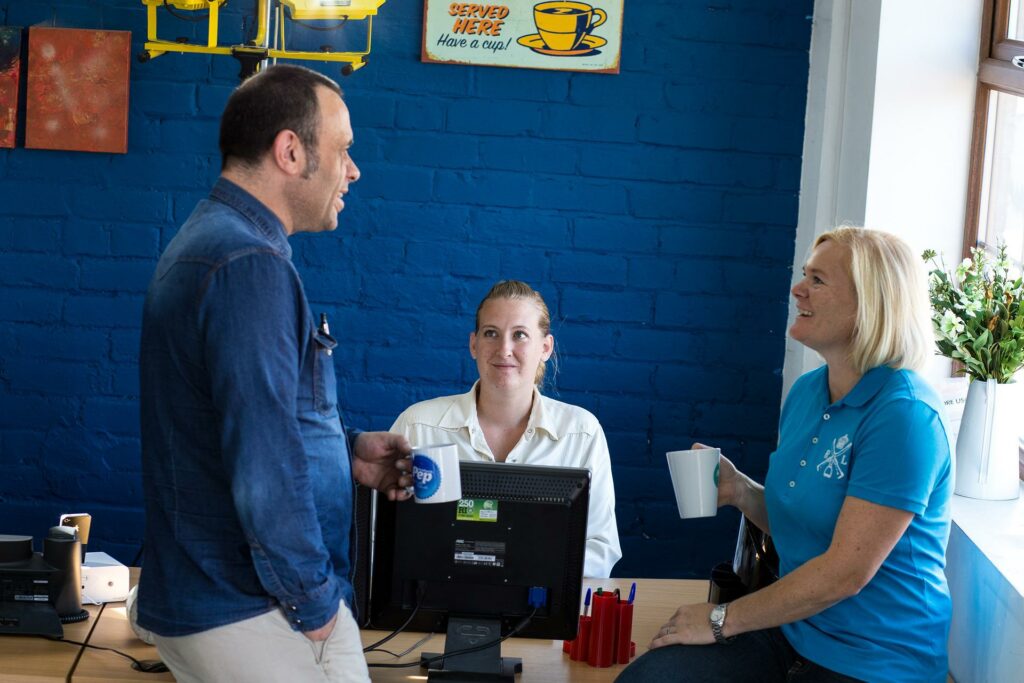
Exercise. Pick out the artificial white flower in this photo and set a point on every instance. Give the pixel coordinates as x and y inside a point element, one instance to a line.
<point>951,325</point>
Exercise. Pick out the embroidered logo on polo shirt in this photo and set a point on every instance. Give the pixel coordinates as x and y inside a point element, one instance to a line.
<point>835,460</point>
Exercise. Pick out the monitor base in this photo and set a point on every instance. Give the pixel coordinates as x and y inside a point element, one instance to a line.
<point>484,666</point>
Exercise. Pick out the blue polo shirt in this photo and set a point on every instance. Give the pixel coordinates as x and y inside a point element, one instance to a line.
<point>884,442</point>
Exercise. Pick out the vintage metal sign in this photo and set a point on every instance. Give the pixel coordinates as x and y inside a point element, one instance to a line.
<point>555,34</point>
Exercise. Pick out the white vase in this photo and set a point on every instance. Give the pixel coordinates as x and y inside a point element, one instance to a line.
<point>986,446</point>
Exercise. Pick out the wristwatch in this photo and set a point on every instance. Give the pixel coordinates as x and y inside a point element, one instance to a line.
<point>717,619</point>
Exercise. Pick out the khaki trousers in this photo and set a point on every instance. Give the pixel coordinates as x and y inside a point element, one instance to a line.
<point>265,649</point>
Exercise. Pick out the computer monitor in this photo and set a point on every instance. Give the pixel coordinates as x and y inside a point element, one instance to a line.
<point>472,567</point>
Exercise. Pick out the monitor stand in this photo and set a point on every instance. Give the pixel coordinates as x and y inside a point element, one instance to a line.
<point>486,666</point>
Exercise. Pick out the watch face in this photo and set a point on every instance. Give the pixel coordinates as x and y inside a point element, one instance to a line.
<point>718,614</point>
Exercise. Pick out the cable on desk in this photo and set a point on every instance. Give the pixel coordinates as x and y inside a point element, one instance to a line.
<point>464,651</point>
<point>74,664</point>
<point>415,609</point>
<point>399,655</point>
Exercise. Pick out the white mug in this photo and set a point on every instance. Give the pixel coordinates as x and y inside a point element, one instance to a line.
<point>435,474</point>
<point>695,480</point>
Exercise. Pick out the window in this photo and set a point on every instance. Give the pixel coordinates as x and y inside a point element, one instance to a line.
<point>995,209</point>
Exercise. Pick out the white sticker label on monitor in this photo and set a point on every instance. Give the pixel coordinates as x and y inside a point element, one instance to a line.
<point>479,553</point>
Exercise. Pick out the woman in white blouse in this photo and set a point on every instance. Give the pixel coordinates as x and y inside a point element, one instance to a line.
<point>504,417</point>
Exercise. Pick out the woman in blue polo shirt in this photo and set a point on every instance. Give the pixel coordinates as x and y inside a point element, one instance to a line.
<point>856,497</point>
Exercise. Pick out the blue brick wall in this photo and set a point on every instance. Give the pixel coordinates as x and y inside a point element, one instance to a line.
<point>655,210</point>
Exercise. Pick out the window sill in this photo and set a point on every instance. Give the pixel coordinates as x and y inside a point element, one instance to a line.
<point>996,527</point>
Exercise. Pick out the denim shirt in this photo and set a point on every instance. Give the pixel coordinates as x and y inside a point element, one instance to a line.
<point>245,461</point>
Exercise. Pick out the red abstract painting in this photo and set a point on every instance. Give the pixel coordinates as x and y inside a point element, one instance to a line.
<point>10,73</point>
<point>77,95</point>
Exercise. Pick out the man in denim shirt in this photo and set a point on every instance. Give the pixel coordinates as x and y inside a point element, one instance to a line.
<point>247,471</point>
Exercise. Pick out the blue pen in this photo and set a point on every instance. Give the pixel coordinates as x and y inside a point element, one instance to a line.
<point>586,603</point>
<point>632,592</point>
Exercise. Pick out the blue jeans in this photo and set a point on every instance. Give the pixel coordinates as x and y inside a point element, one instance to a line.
<point>756,656</point>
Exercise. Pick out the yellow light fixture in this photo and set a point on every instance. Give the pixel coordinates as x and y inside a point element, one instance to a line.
<point>255,53</point>
<point>303,10</point>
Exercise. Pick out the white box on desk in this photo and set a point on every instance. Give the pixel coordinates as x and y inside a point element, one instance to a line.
<point>104,579</point>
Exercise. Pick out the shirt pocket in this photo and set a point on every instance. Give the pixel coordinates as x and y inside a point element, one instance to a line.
<point>325,384</point>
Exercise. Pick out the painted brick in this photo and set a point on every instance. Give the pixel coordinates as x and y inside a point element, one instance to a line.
<point>698,383</point>
<point>605,234</point>
<point>577,339</point>
<point>593,124</point>
<point>82,237</point>
<point>61,343</point>
<point>119,311</point>
<point>193,135</point>
<point>471,260</point>
<point>442,223</point>
<point>520,228</point>
<point>418,114</point>
<point>431,151</point>
<point>706,312</point>
<point>56,378</point>
<point>674,202</point>
<point>588,268</point>
<point>124,345</point>
<point>126,381</point>
<point>685,130</point>
<point>719,240</point>
<point>30,305</point>
<point>565,193</point>
<point>111,415</point>
<point>517,118</point>
<point>116,275</point>
<point>30,234</point>
<point>380,181</point>
<point>483,188</point>
<point>32,198</point>
<point>135,240</point>
<point>774,208</point>
<point>589,306</point>
<point>659,345</point>
<point>642,91</point>
<point>34,412</point>
<point>166,99</point>
<point>24,270</point>
<point>542,156</point>
<point>522,84</point>
<point>650,272</point>
<point>606,376</point>
<point>143,206</point>
<point>371,111</point>
<point>418,364</point>
<point>771,136</point>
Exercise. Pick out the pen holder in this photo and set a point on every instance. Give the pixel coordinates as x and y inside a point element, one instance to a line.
<point>624,632</point>
<point>581,646</point>
<point>601,652</point>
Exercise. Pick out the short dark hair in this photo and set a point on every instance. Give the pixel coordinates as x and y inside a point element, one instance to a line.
<point>282,97</point>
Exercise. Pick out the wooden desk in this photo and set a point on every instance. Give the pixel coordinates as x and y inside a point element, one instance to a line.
<point>543,660</point>
<point>31,659</point>
<point>34,660</point>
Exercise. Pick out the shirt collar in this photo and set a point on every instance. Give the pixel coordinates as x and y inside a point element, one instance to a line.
<point>866,388</point>
<point>462,413</point>
<point>230,194</point>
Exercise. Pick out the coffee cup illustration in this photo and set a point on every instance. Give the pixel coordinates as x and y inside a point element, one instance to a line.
<point>563,25</point>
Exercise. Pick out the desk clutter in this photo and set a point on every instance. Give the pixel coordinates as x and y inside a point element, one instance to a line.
<point>603,637</point>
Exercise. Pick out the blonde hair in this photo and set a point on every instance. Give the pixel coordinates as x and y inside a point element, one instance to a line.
<point>516,289</point>
<point>893,325</point>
